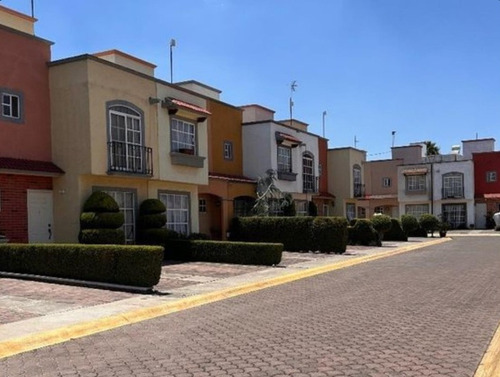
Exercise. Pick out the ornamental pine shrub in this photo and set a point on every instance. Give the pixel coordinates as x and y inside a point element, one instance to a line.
<point>382,224</point>
<point>151,223</point>
<point>100,220</point>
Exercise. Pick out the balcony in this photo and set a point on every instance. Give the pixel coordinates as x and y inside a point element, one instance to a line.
<point>130,158</point>
<point>452,193</point>
<point>359,190</point>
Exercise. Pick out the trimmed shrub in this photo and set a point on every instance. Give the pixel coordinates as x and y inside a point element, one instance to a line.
<point>409,224</point>
<point>295,233</point>
<point>363,233</point>
<point>225,252</point>
<point>429,223</point>
<point>381,223</point>
<point>154,221</point>
<point>312,209</point>
<point>101,236</point>
<point>99,201</point>
<point>156,236</point>
<point>152,207</point>
<point>330,234</point>
<point>104,220</point>
<point>198,236</point>
<point>396,232</point>
<point>419,232</point>
<point>118,264</point>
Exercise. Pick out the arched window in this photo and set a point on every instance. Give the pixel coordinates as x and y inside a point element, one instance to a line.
<point>357,182</point>
<point>126,139</point>
<point>308,179</point>
<point>453,185</point>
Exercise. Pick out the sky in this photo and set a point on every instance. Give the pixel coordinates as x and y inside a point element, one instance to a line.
<point>426,69</point>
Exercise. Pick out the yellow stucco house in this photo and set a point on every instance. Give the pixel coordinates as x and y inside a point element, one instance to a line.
<point>117,128</point>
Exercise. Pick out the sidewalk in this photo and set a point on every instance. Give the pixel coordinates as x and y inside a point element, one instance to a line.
<point>28,307</point>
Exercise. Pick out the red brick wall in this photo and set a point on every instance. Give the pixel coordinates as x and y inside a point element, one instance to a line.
<point>13,203</point>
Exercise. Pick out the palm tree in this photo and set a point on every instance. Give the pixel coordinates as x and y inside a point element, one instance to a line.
<point>432,148</point>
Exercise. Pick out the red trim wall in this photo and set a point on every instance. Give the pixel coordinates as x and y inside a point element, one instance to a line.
<point>484,162</point>
<point>13,203</point>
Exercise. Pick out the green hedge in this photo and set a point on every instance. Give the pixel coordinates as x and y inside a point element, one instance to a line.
<point>118,264</point>
<point>363,233</point>
<point>101,236</point>
<point>99,201</point>
<point>396,232</point>
<point>152,207</point>
<point>103,220</point>
<point>155,221</point>
<point>330,234</point>
<point>224,252</point>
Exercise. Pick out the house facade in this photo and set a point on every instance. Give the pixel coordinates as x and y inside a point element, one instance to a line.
<point>346,181</point>
<point>228,193</point>
<point>285,147</point>
<point>26,167</point>
<point>117,129</point>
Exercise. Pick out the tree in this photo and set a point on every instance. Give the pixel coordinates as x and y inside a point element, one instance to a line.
<point>268,192</point>
<point>432,148</point>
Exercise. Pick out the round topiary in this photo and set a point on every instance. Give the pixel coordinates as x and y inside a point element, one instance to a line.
<point>154,221</point>
<point>365,234</point>
<point>102,236</point>
<point>429,223</point>
<point>152,207</point>
<point>396,232</point>
<point>157,236</point>
<point>409,223</point>
<point>104,220</point>
<point>99,201</point>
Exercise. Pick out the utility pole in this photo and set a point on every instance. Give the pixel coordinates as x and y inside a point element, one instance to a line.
<point>172,45</point>
<point>324,116</point>
<point>393,137</point>
<point>355,141</point>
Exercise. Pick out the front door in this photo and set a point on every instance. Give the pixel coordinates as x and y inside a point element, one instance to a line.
<point>480,215</point>
<point>40,217</point>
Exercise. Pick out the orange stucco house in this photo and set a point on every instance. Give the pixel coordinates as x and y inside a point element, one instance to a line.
<point>26,168</point>
<point>228,192</point>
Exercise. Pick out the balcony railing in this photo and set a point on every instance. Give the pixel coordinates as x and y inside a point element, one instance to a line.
<point>130,158</point>
<point>450,193</point>
<point>359,190</point>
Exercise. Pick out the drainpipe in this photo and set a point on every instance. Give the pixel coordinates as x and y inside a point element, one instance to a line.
<point>432,188</point>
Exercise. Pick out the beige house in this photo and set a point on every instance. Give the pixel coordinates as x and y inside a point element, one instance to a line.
<point>346,181</point>
<point>116,128</point>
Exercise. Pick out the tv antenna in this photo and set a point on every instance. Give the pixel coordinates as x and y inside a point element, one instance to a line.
<point>293,85</point>
<point>356,141</point>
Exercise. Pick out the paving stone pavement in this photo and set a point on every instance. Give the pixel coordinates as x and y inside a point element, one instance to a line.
<point>423,313</point>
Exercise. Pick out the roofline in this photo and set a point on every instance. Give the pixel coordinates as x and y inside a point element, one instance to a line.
<point>483,139</point>
<point>125,55</point>
<point>384,160</point>
<point>82,57</point>
<point>198,83</point>
<point>18,14</point>
<point>27,35</point>
<point>408,146</point>
<point>340,148</point>
<point>284,125</point>
<point>293,120</point>
<point>256,105</point>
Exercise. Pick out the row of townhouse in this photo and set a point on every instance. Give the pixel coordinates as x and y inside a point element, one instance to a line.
<point>462,188</point>
<point>105,122</point>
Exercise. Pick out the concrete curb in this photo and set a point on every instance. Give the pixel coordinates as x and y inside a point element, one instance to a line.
<point>15,346</point>
<point>490,363</point>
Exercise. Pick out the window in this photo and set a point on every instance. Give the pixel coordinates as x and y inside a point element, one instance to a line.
<point>491,176</point>
<point>415,183</point>
<point>308,173</point>
<point>183,136</point>
<point>358,187</point>
<point>453,185</point>
<point>379,210</point>
<point>386,182</point>
<point>228,150</point>
<point>284,159</point>
<point>177,205</point>
<point>11,106</point>
<point>301,208</point>
<point>361,212</point>
<point>126,145</point>
<point>350,210</point>
<point>242,206</point>
<point>202,206</point>
<point>416,210</point>
<point>455,215</point>
<point>126,201</point>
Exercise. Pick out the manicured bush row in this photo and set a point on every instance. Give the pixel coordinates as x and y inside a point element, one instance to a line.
<point>103,220</point>
<point>295,233</point>
<point>266,254</point>
<point>396,232</point>
<point>330,234</point>
<point>101,237</point>
<point>118,264</point>
<point>363,233</point>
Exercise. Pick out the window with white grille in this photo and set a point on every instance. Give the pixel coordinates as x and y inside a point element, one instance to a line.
<point>183,135</point>
<point>415,183</point>
<point>177,205</point>
<point>453,185</point>
<point>284,159</point>
<point>491,176</point>
<point>126,202</point>
<point>416,210</point>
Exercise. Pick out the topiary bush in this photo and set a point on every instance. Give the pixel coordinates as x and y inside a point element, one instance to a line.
<point>312,209</point>
<point>396,232</point>
<point>409,224</point>
<point>382,224</point>
<point>429,223</point>
<point>330,234</point>
<point>363,233</point>
<point>152,207</point>
<point>100,220</point>
<point>151,223</point>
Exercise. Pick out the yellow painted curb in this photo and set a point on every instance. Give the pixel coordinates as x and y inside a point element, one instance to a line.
<point>28,343</point>
<point>490,364</point>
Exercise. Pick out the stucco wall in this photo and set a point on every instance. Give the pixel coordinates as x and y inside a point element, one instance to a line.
<point>257,149</point>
